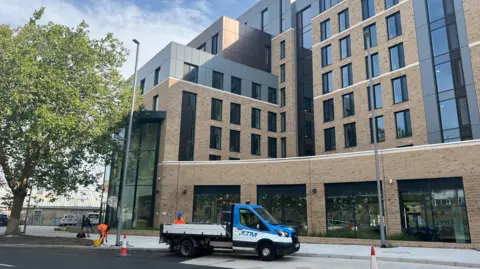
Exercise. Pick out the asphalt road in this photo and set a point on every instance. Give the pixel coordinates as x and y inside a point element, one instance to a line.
<point>44,258</point>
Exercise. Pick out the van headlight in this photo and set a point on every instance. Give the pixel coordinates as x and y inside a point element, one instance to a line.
<point>282,233</point>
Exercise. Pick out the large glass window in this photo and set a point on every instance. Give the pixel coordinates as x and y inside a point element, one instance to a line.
<point>306,28</point>
<point>282,49</point>
<point>371,36</point>
<point>272,121</point>
<point>235,113</point>
<point>403,123</point>
<point>265,20</point>
<point>327,82</point>
<point>380,129</point>
<point>400,90</point>
<point>256,90</point>
<point>157,76</point>
<point>272,147</point>
<point>215,44</point>
<point>215,137</point>
<point>377,96</point>
<point>272,95</point>
<point>283,145</point>
<point>329,135</point>
<point>326,4</point>
<point>350,134</point>
<point>283,122</point>
<point>345,49</point>
<point>397,57</point>
<point>217,106</point>
<point>327,55</point>
<point>256,118</point>
<point>234,141</point>
<point>236,85</point>
<point>325,30</point>
<point>283,15</point>
<point>155,103</point>
<point>282,73</point>
<point>450,124</point>
<point>255,144</point>
<point>142,86</point>
<point>375,65</point>
<point>187,126</point>
<point>343,20</point>
<point>347,77</point>
<point>435,10</point>
<point>390,3</point>
<point>394,25</point>
<point>348,105</point>
<point>217,80</point>
<point>190,72</point>
<point>282,97</point>
<point>328,110</point>
<point>368,9</point>
<point>352,210</point>
<point>434,210</point>
<point>287,203</point>
<point>208,202</point>
<point>443,73</point>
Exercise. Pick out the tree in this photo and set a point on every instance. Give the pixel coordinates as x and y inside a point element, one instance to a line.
<point>61,98</point>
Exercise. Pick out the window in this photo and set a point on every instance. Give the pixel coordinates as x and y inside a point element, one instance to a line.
<point>345,49</point>
<point>329,139</point>
<point>217,80</point>
<point>215,137</point>
<point>380,129</point>
<point>308,129</point>
<point>256,90</point>
<point>282,50</point>
<point>394,25</point>
<point>397,58</point>
<point>187,126</point>
<point>390,3</point>
<point>203,47</point>
<point>233,159</point>
<point>348,105</point>
<point>234,141</point>
<point>375,65</point>
<point>265,20</point>
<point>206,209</point>
<point>377,96</point>
<point>327,82</point>
<point>255,146</point>
<point>439,41</point>
<point>283,15</point>
<point>272,96</point>
<point>272,147</point>
<point>272,122</point>
<point>350,134</point>
<point>142,86</point>
<point>326,4</point>
<point>306,26</point>
<point>282,73</point>
<point>216,109</point>
<point>343,20</point>
<point>328,110</point>
<point>268,54</point>
<point>368,9</point>
<point>347,79</point>
<point>155,103</point>
<point>157,76</point>
<point>215,44</point>
<point>444,77</point>
<point>236,85</point>
<point>283,142</point>
<point>256,118</point>
<point>250,220</point>
<point>370,35</point>
<point>403,123</point>
<point>325,30</point>
<point>235,113</point>
<point>214,157</point>
<point>283,122</point>
<point>327,55</point>
<point>400,90</point>
<point>282,97</point>
<point>190,73</point>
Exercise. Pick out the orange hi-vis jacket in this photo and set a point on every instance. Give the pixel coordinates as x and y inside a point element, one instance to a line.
<point>103,228</point>
<point>179,221</point>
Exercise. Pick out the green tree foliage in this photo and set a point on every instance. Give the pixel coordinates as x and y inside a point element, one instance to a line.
<point>61,98</point>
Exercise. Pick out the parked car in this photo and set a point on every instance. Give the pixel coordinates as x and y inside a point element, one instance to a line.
<point>3,220</point>
<point>68,220</point>
<point>94,218</point>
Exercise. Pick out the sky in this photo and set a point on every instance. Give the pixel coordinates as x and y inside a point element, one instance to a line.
<point>154,23</point>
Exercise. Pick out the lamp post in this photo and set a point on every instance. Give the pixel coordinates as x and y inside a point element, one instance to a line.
<point>127,150</point>
<point>375,148</point>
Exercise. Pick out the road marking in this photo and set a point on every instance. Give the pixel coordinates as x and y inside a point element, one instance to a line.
<point>6,265</point>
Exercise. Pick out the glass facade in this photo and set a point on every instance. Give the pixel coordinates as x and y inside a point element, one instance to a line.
<point>209,200</point>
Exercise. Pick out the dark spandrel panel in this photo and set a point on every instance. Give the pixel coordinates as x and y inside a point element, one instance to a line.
<point>425,184</point>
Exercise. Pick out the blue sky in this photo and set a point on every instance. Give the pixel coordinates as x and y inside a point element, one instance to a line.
<point>153,22</point>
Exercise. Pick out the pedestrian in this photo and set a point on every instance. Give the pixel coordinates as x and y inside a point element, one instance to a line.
<point>179,219</point>
<point>81,234</point>
<point>87,225</point>
<point>102,230</point>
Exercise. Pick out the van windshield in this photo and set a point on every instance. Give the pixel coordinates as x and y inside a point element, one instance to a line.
<point>267,216</point>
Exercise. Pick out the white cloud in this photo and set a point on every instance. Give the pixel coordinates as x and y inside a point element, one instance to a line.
<point>177,21</point>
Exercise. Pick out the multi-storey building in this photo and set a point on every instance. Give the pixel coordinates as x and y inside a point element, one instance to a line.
<point>228,113</point>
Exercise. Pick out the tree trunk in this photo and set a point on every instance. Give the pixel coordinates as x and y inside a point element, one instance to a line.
<point>14,220</point>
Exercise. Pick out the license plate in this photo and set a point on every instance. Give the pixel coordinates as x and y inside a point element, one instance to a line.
<point>297,245</point>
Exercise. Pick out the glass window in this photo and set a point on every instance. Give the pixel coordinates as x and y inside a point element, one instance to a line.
<point>390,3</point>
<point>217,109</point>
<point>265,20</point>
<point>190,73</point>
<point>142,86</point>
<point>203,47</point>
<point>215,44</point>
<point>443,73</point>
<point>282,49</point>
<point>350,134</point>
<point>215,137</point>
<point>434,210</point>
<point>236,85</point>
<point>306,20</point>
<point>155,103</point>
<point>348,105</point>
<point>439,41</point>
<point>283,142</point>
<point>394,25</point>
<point>208,202</point>
<point>234,141</point>
<point>328,110</point>
<point>343,20</point>
<point>268,55</point>
<point>256,90</point>
<point>272,121</point>
<point>308,129</point>
<point>217,80</point>
<point>233,159</point>
<point>272,147</point>
<point>327,55</point>
<point>212,157</point>
<point>380,129</point>
<point>283,122</point>
<point>347,79</point>
<point>371,35</point>
<point>375,65</point>
<point>282,73</point>
<point>368,9</point>
<point>250,220</point>
<point>435,10</point>
<point>157,76</point>
<point>256,118</point>
<point>400,90</point>
<point>187,126</point>
<point>325,30</point>
<point>282,97</point>
<point>255,146</point>
<point>449,116</point>
<point>397,57</point>
<point>327,82</point>
<point>403,123</point>
<point>272,95</point>
<point>345,50</point>
<point>283,16</point>
<point>326,4</point>
<point>377,96</point>
<point>330,143</point>
<point>235,113</point>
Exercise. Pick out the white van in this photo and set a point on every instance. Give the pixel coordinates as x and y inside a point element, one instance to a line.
<point>94,218</point>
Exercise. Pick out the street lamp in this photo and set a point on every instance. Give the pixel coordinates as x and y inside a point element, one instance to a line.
<point>127,150</point>
<point>375,148</point>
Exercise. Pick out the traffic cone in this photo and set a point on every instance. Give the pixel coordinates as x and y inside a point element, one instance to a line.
<point>373,259</point>
<point>123,250</point>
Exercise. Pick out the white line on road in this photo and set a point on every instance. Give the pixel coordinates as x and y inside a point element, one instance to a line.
<point>6,265</point>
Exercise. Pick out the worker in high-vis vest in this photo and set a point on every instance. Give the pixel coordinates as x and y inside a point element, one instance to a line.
<point>179,219</point>
<point>102,230</point>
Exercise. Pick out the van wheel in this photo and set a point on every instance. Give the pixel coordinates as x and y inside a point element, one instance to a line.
<point>186,248</point>
<point>266,252</point>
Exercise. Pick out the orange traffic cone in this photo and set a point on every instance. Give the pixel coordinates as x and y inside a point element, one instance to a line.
<point>373,259</point>
<point>123,250</point>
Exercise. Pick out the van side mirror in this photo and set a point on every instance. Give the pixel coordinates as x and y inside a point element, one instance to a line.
<point>258,226</point>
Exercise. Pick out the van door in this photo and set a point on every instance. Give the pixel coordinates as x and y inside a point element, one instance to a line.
<point>248,229</point>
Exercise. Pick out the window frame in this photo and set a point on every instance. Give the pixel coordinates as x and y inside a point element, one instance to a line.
<point>328,83</point>
<point>327,58</point>
<point>282,73</point>
<point>283,97</point>
<point>403,88</point>
<point>232,80</point>
<point>375,97</point>
<point>155,103</point>
<point>346,21</point>
<point>264,27</point>
<point>376,125</point>
<point>369,28</point>
<point>326,104</point>
<point>252,138</point>
<point>350,75</point>
<point>254,118</point>
<point>351,102</point>
<point>407,122</point>
<point>213,157</point>
<point>282,48</point>
<point>283,147</point>
<point>333,139</point>
<point>272,95</point>
<point>156,76</point>
<point>195,68</point>
<point>401,56</point>
<point>348,47</point>
<point>272,150</point>
<point>366,6</point>
<point>325,29</point>
<point>373,64</point>
<point>354,139</point>
<point>216,73</point>
<point>272,121</point>
<point>235,143</point>
<point>232,113</point>
<point>395,2</point>
<point>142,86</point>
<point>256,91</point>
<point>397,19</point>
<point>212,136</point>
<point>215,44</point>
